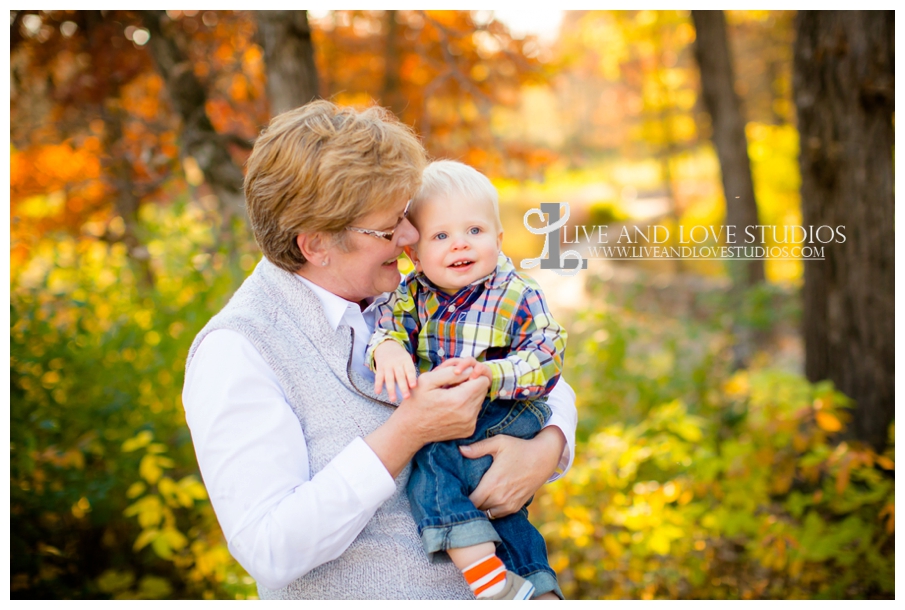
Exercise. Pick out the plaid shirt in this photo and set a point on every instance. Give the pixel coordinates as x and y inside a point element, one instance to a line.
<point>501,320</point>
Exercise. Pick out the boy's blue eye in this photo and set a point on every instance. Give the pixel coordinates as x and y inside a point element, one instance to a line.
<point>474,230</point>
<point>440,236</point>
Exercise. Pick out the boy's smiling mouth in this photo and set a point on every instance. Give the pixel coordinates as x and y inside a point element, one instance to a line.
<point>461,264</point>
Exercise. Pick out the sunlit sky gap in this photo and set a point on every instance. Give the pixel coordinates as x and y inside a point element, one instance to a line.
<point>543,22</point>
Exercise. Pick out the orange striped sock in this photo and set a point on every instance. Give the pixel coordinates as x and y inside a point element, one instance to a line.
<point>486,577</point>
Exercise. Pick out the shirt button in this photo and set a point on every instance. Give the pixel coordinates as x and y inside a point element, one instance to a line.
<point>441,352</point>
<point>451,309</point>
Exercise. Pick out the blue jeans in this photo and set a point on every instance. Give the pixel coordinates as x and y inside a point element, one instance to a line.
<point>442,478</point>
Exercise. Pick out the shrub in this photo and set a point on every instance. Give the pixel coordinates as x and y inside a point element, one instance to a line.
<point>105,497</point>
<point>716,485</point>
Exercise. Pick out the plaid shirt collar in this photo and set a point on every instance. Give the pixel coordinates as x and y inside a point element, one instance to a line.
<point>501,274</point>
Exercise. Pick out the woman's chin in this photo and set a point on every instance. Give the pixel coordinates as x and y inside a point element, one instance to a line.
<point>389,277</point>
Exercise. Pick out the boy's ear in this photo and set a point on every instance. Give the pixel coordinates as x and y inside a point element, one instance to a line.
<point>413,256</point>
<point>499,240</point>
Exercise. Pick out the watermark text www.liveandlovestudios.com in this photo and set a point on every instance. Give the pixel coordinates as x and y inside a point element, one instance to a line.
<point>655,242</point>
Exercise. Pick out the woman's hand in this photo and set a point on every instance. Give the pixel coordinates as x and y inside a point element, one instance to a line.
<point>520,467</point>
<point>468,364</point>
<point>443,406</point>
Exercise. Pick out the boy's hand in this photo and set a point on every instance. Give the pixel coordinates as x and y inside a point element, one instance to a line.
<point>478,369</point>
<point>394,366</point>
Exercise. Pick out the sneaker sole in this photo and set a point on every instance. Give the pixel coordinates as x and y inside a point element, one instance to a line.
<point>525,592</point>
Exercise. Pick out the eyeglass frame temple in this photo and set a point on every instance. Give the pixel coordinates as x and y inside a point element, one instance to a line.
<point>387,235</point>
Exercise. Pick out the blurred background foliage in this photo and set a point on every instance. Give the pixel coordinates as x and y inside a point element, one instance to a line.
<point>694,477</point>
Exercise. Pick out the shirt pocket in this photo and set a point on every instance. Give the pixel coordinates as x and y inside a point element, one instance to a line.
<point>480,331</point>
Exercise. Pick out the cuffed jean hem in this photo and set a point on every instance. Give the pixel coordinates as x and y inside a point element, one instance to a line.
<point>543,582</point>
<point>468,529</point>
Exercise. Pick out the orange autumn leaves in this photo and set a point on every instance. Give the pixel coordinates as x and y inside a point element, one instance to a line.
<point>52,186</point>
<point>94,124</point>
<point>443,72</point>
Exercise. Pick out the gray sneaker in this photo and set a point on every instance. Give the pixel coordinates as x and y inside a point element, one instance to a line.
<point>516,588</point>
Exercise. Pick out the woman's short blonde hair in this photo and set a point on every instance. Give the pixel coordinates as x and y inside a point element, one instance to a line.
<point>451,178</point>
<point>320,167</point>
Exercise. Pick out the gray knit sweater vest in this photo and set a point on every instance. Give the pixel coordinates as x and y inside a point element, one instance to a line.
<point>285,322</point>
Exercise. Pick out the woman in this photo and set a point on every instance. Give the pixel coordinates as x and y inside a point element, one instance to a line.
<point>305,466</point>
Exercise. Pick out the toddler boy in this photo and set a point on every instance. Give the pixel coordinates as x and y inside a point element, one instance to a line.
<point>465,305</point>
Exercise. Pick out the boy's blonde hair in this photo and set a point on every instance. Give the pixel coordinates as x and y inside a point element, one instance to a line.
<point>319,168</point>
<point>453,178</point>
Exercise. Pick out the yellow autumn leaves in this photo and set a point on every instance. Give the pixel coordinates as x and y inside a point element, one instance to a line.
<point>678,506</point>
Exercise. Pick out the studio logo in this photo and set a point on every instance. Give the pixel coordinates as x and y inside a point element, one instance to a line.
<point>567,263</point>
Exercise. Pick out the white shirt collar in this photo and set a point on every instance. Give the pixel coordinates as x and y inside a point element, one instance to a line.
<point>334,306</point>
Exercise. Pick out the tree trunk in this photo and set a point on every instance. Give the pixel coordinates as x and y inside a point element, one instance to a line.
<point>391,91</point>
<point>188,96</point>
<point>728,130</point>
<point>285,37</point>
<point>126,199</point>
<point>845,91</point>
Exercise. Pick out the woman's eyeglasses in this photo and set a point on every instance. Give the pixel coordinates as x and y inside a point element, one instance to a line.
<point>387,235</point>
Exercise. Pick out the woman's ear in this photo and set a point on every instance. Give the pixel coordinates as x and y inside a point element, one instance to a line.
<point>413,255</point>
<point>314,247</point>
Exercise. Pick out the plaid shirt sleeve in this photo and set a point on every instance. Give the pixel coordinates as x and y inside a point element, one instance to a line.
<point>535,361</point>
<point>397,320</point>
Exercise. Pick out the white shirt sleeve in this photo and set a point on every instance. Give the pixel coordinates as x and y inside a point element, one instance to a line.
<point>565,417</point>
<point>279,522</point>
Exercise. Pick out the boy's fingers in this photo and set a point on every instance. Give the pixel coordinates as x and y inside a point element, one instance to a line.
<point>391,385</point>
<point>378,381</point>
<point>412,377</point>
<point>401,377</point>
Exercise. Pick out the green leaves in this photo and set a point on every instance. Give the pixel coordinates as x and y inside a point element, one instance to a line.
<point>101,462</point>
<point>676,500</point>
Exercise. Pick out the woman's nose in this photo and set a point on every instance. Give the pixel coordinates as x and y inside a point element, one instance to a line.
<point>406,234</point>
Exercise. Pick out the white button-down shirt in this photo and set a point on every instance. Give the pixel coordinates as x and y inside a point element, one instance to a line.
<point>278,520</point>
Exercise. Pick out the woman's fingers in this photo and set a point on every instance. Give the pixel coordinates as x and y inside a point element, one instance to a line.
<point>460,365</point>
<point>466,363</point>
<point>443,406</point>
<point>441,376</point>
<point>520,467</point>
<point>465,400</point>
<point>479,496</point>
<point>447,363</point>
